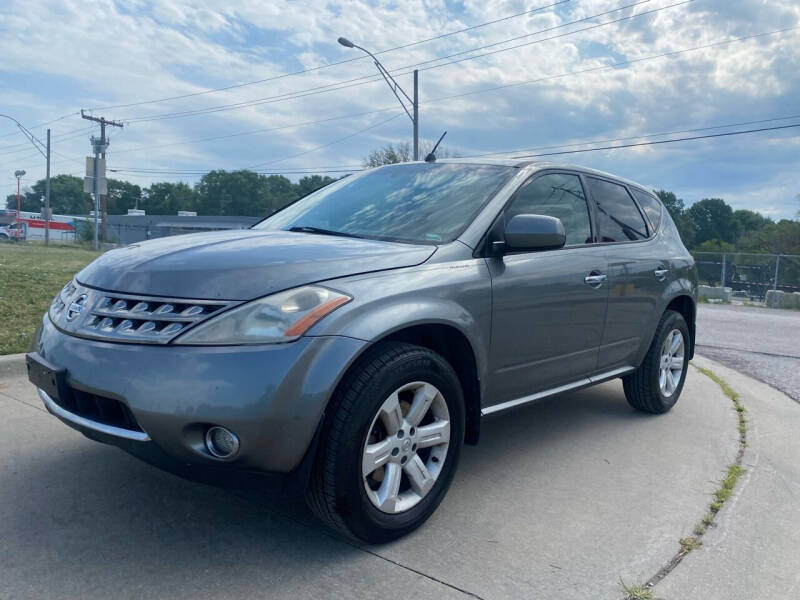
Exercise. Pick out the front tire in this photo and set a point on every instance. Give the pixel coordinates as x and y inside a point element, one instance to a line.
<point>656,385</point>
<point>390,446</point>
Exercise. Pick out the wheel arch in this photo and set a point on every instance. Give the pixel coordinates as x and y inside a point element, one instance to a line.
<point>685,305</point>
<point>455,347</point>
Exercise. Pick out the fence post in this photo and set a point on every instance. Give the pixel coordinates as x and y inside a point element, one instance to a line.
<point>723,269</point>
<point>777,266</point>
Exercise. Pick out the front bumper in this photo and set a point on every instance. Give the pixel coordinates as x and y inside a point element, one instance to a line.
<point>272,396</point>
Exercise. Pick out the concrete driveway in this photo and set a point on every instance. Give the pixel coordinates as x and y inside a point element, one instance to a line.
<point>560,500</point>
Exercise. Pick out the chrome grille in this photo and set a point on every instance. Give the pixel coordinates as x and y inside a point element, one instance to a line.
<point>127,317</point>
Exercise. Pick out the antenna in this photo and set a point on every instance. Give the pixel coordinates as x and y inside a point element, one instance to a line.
<point>432,154</point>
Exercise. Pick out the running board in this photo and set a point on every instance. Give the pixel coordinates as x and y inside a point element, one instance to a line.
<point>586,381</point>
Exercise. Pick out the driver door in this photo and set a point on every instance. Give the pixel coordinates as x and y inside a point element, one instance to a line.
<point>547,318</point>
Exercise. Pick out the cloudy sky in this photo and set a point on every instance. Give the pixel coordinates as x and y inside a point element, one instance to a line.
<point>563,73</point>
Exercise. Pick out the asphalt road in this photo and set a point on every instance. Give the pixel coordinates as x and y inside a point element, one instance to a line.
<point>762,342</point>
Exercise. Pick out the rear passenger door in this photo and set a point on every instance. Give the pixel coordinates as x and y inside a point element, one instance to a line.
<point>547,317</point>
<point>636,273</point>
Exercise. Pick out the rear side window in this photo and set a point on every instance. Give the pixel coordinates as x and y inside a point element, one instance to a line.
<point>557,195</point>
<point>618,218</point>
<point>651,207</point>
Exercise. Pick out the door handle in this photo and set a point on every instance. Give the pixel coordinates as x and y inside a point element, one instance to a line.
<point>594,279</point>
<point>661,274</point>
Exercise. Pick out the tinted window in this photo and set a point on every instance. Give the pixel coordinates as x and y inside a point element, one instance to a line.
<point>618,219</point>
<point>425,202</point>
<point>556,195</point>
<point>651,207</point>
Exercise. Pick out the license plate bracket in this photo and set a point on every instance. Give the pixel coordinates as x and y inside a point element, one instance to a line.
<point>46,376</point>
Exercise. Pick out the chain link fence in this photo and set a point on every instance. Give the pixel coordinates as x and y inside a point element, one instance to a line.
<point>749,275</point>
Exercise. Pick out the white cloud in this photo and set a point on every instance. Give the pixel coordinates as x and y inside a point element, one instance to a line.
<point>68,54</point>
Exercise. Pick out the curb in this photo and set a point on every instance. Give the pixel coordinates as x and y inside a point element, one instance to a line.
<point>12,365</point>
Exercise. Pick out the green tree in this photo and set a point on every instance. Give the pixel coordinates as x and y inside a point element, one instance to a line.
<point>674,204</point>
<point>122,195</point>
<point>166,198</point>
<point>392,154</point>
<point>244,193</point>
<point>307,184</point>
<point>675,208</point>
<point>713,220</point>
<point>782,237</point>
<point>750,220</point>
<point>279,192</point>
<point>66,196</point>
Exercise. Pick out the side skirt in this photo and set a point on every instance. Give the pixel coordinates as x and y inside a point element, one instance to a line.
<point>580,383</point>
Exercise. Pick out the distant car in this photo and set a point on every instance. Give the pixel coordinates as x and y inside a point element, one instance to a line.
<point>349,344</point>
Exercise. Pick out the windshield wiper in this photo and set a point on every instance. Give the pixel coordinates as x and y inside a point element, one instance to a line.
<point>320,231</point>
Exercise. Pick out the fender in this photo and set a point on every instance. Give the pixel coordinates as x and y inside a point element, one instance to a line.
<point>457,294</point>
<point>683,285</point>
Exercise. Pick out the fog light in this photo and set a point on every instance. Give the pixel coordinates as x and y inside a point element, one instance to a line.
<point>221,442</point>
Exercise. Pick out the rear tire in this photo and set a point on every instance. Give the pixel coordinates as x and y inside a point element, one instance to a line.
<point>390,444</point>
<point>657,384</point>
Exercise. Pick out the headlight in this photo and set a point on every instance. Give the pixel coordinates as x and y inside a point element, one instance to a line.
<point>282,317</point>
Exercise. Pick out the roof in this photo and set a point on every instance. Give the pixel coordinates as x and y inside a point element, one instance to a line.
<point>539,164</point>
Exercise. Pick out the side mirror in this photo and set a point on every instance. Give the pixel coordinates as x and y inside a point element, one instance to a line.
<point>534,232</point>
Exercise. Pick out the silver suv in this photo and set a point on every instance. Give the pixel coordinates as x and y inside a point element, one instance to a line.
<point>348,345</point>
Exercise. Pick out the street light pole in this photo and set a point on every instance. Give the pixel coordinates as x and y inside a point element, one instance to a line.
<point>413,114</point>
<point>44,151</point>
<point>47,195</point>
<point>18,174</point>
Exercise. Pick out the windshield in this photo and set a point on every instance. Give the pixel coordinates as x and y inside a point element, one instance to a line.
<point>418,203</point>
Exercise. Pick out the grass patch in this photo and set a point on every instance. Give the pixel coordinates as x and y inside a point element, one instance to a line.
<point>636,592</point>
<point>30,276</point>
<point>690,543</point>
<point>723,493</point>
<point>726,389</point>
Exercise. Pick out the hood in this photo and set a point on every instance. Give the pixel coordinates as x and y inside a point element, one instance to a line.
<point>242,264</point>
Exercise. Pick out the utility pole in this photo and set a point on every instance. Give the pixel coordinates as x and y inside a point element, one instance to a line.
<point>99,147</point>
<point>416,115</point>
<point>47,195</point>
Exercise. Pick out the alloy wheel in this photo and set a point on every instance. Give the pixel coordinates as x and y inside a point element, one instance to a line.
<point>671,363</point>
<point>406,447</point>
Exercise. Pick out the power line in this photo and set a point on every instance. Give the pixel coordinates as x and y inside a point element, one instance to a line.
<point>336,141</point>
<point>256,131</point>
<point>340,168</point>
<point>72,114</point>
<point>306,171</point>
<point>333,64</point>
<point>552,28</point>
<point>553,37</point>
<point>656,142</point>
<point>368,79</point>
<point>635,137</point>
<point>327,144</point>
<point>610,66</point>
<point>11,149</point>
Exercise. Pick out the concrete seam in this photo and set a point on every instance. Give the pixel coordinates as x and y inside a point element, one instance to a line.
<point>721,495</point>
<point>348,542</point>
